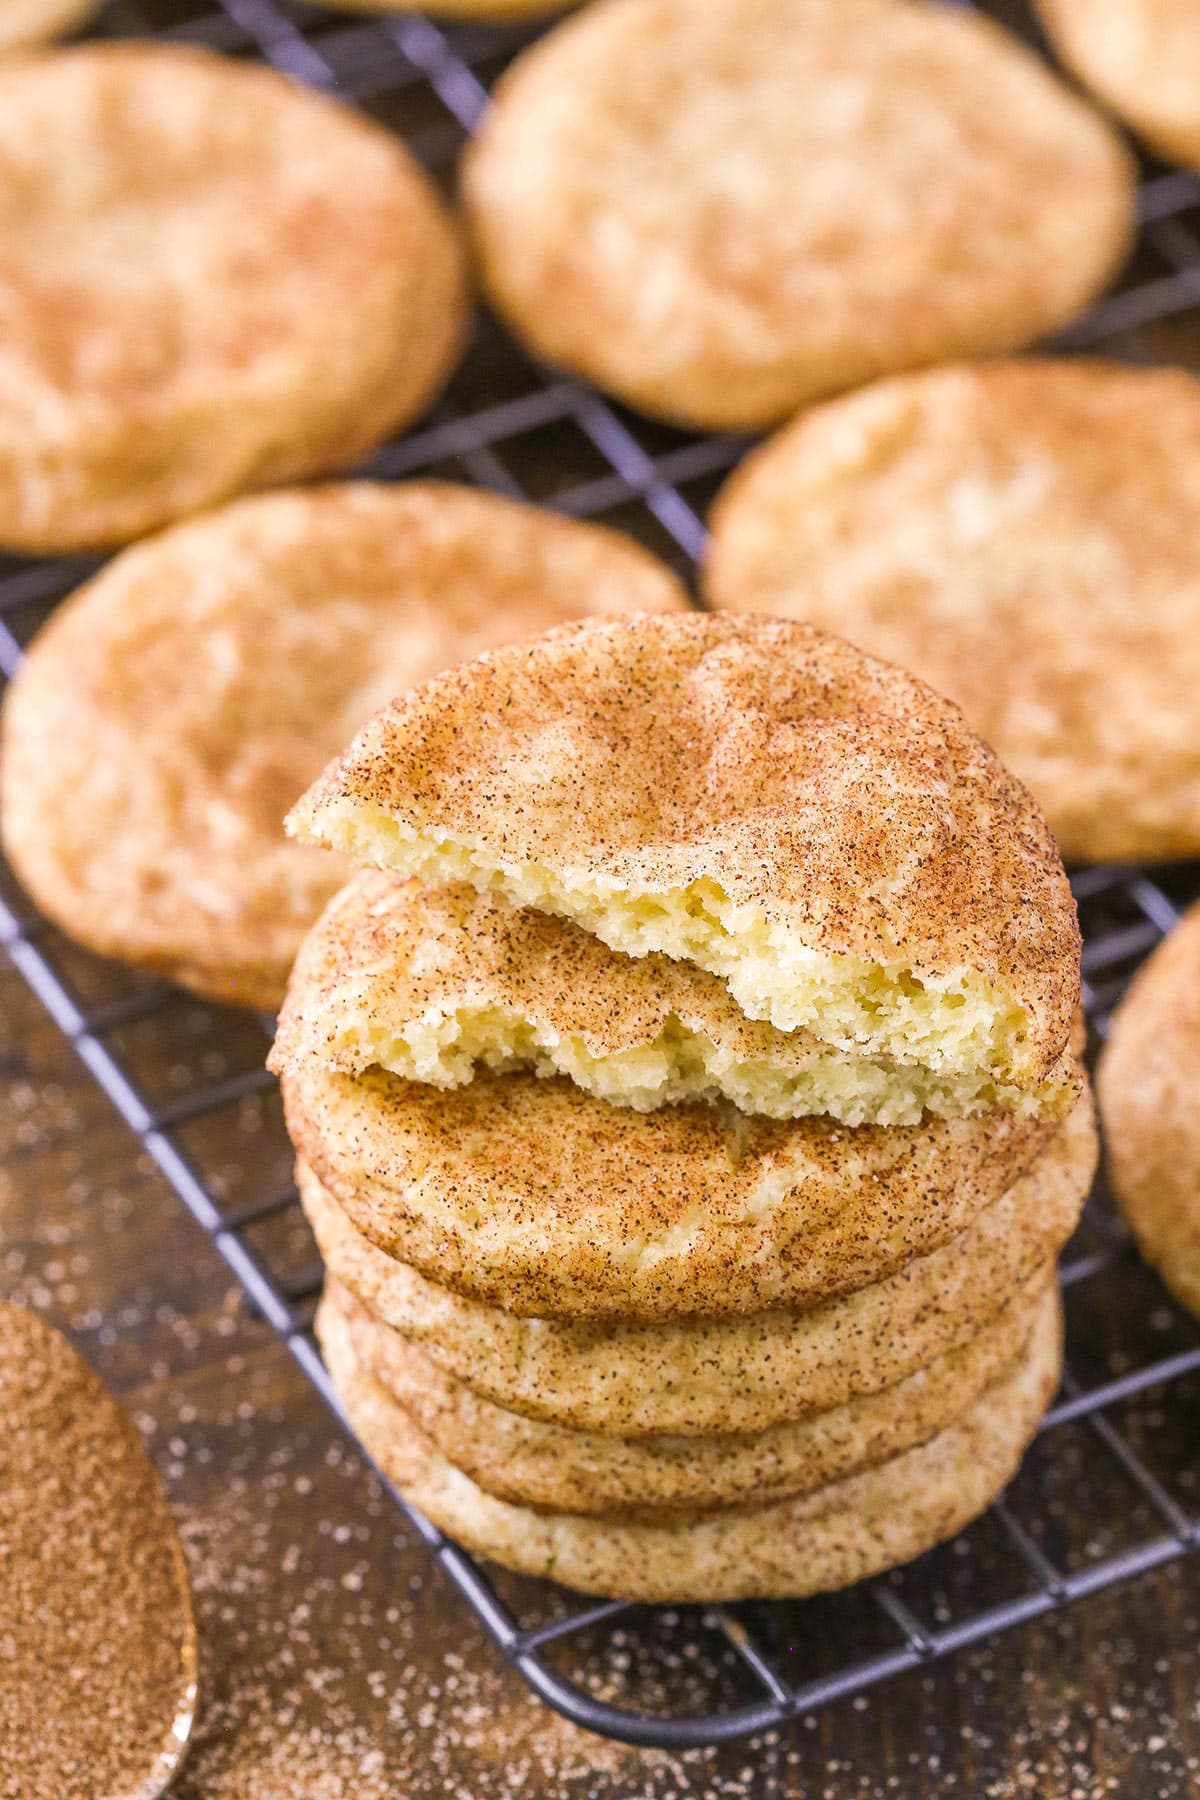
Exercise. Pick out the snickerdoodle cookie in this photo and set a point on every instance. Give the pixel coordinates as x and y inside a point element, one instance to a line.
<point>534,1463</point>
<point>212,280</point>
<point>696,1375</point>
<point>502,11</point>
<point>173,709</point>
<point>1149,1089</point>
<point>433,983</point>
<point>719,212</point>
<point>1142,58</point>
<point>530,1194</point>
<point>828,1539</point>
<point>818,829</point>
<point>1021,535</point>
<point>26,22</point>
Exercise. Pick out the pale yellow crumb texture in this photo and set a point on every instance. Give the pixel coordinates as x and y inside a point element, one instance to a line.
<point>817,829</point>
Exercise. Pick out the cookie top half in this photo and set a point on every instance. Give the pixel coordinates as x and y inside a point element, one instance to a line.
<point>719,212</point>
<point>818,829</point>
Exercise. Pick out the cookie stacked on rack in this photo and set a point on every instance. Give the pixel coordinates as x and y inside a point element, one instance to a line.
<point>686,1108</point>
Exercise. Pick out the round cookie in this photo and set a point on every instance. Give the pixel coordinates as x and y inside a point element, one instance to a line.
<point>757,798</point>
<point>532,1195</point>
<point>1018,534</point>
<point>697,1375</point>
<point>213,280</point>
<point>829,1539</point>
<point>554,1469</point>
<point>25,22</point>
<point>491,11</point>
<point>433,983</point>
<point>1147,1086</point>
<point>171,710</point>
<point>1142,58</point>
<point>720,212</point>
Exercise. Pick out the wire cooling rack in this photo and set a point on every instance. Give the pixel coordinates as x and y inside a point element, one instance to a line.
<point>1110,1488</point>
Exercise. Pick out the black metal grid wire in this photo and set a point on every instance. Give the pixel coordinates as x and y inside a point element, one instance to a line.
<point>1109,1490</point>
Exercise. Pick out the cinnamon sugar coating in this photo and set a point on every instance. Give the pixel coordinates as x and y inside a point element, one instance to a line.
<point>214,280</point>
<point>532,1195</point>
<point>1018,534</point>
<point>97,1635</point>
<point>829,1539</point>
<point>722,211</point>
<point>553,1468</point>
<point>753,796</point>
<point>696,1375</point>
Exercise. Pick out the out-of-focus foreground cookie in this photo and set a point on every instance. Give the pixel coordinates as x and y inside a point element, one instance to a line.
<point>213,280</point>
<point>1142,58</point>
<point>99,1641</point>
<point>1021,535</point>
<point>719,212</point>
<point>816,828</point>
<point>172,709</point>
<point>1149,1091</point>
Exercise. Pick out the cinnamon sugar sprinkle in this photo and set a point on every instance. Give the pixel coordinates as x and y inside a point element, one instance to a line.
<point>97,1640</point>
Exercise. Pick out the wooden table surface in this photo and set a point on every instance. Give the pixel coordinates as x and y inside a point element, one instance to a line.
<point>336,1661</point>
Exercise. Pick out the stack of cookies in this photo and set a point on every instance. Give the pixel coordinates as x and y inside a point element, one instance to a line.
<point>686,1107</point>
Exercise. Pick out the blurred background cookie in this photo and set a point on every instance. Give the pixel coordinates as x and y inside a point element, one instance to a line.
<point>213,280</point>
<point>491,10</point>
<point>1023,535</point>
<point>1148,1086</point>
<point>175,707</point>
<point>719,212</point>
<point>24,22</point>
<point>1142,58</point>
